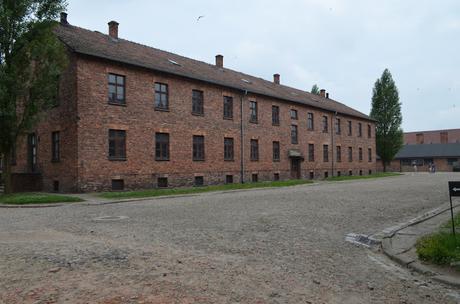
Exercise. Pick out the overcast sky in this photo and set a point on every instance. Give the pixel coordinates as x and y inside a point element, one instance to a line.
<point>341,45</point>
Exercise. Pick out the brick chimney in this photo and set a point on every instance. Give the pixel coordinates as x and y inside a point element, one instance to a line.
<point>276,78</point>
<point>64,18</point>
<point>322,93</point>
<point>113,29</point>
<point>220,61</point>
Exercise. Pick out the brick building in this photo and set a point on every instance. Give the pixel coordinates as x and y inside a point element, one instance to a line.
<point>432,137</point>
<point>132,116</point>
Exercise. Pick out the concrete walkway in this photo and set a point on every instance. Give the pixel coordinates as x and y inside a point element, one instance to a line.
<point>399,244</point>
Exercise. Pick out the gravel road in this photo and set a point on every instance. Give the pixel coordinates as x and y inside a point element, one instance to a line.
<point>283,245</point>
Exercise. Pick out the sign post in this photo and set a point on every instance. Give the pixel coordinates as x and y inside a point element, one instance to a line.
<point>454,190</point>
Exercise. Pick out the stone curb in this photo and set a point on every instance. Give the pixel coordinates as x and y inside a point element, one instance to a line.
<point>140,199</point>
<point>407,261</point>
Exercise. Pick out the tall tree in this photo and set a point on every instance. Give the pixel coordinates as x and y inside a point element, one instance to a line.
<point>315,89</point>
<point>31,59</point>
<point>386,110</point>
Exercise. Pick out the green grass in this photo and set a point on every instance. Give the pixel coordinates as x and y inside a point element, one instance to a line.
<point>375,175</point>
<point>456,222</point>
<point>176,191</point>
<point>440,248</point>
<point>36,198</point>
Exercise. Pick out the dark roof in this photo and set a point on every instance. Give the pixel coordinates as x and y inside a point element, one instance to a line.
<point>429,150</point>
<point>96,44</point>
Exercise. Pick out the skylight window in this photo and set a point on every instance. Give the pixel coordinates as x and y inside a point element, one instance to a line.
<point>245,80</point>
<point>173,62</point>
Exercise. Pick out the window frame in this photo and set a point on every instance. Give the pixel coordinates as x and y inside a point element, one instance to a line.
<point>162,146</point>
<point>310,121</point>
<point>118,137</point>
<point>350,154</point>
<point>159,106</point>
<point>294,134</point>
<point>325,153</point>
<point>360,154</point>
<point>253,111</point>
<point>369,152</point>
<point>338,127</point>
<point>294,114</point>
<point>55,146</point>
<point>254,150</point>
<point>338,154</point>
<point>116,102</point>
<point>228,107</point>
<point>229,152</point>
<point>325,125</point>
<point>275,115</point>
<point>276,148</point>
<point>360,129</point>
<point>198,148</point>
<point>350,128</point>
<point>197,102</point>
<point>311,152</point>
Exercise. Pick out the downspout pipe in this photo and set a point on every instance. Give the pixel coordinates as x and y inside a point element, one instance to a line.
<point>333,130</point>
<point>245,93</point>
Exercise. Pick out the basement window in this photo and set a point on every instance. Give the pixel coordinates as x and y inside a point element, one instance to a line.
<point>276,176</point>
<point>312,175</point>
<point>56,186</point>
<point>162,182</point>
<point>255,178</point>
<point>199,181</point>
<point>118,184</point>
<point>229,179</point>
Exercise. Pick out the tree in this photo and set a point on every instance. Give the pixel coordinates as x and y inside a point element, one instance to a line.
<point>31,60</point>
<point>386,110</point>
<point>315,89</point>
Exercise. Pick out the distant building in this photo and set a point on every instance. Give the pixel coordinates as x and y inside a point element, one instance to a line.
<point>422,148</point>
<point>432,137</point>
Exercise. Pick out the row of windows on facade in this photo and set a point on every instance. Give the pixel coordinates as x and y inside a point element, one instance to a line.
<point>117,148</point>
<point>117,96</point>
<point>198,181</point>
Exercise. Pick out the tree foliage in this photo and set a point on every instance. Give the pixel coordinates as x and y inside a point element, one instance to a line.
<point>31,60</point>
<point>315,89</point>
<point>386,110</point>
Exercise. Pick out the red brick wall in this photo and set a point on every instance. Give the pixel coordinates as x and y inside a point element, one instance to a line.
<point>141,121</point>
<point>432,137</point>
<point>84,126</point>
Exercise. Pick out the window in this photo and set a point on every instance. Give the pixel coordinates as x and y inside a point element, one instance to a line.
<point>338,154</point>
<point>228,107</point>
<point>294,114</point>
<point>32,151</point>
<point>276,176</point>
<point>294,135</point>
<point>117,89</point>
<point>118,184</point>
<point>326,174</point>
<point>427,161</point>
<point>161,96</point>
<point>338,127</point>
<point>451,161</point>
<point>325,125</point>
<point>255,178</point>
<point>254,149</point>
<point>162,182</point>
<point>350,154</point>
<point>161,146</point>
<point>229,179</point>
<point>350,128</point>
<point>369,131</point>
<point>228,148</point>
<point>55,146</point>
<point>419,138</point>
<point>199,181</point>
<point>311,152</point>
<point>360,154</point>
<point>198,147</point>
<point>275,115</point>
<point>253,111</point>
<point>350,173</point>
<point>197,102</point>
<point>312,175</point>
<point>310,125</point>
<point>117,144</point>
<point>360,172</point>
<point>56,186</point>
<point>325,153</point>
<point>370,172</point>
<point>444,137</point>
<point>360,129</point>
<point>276,151</point>
<point>369,152</point>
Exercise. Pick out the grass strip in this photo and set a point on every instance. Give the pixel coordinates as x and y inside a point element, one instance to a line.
<point>177,191</point>
<point>352,177</point>
<point>36,198</point>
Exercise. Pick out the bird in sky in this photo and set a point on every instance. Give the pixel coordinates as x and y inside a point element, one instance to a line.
<point>198,19</point>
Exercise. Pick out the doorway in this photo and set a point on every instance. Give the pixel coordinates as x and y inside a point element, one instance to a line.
<point>295,168</point>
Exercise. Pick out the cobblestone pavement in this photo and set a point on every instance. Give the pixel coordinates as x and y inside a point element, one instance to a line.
<point>281,245</point>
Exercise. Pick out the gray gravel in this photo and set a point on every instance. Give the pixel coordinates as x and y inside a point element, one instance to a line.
<point>281,245</point>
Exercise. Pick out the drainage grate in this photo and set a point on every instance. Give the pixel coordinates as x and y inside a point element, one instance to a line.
<point>362,240</point>
<point>110,218</point>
